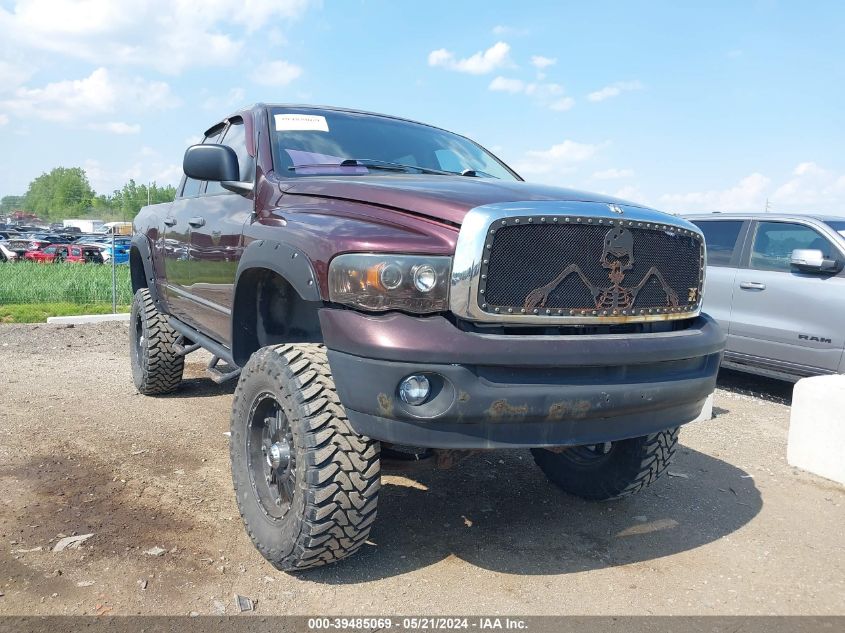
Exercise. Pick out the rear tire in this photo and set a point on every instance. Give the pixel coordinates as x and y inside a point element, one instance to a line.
<point>611,470</point>
<point>306,484</point>
<point>156,367</point>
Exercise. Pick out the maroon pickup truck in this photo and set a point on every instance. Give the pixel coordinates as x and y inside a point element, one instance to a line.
<point>383,288</point>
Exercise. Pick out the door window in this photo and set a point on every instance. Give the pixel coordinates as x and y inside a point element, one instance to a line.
<point>235,138</point>
<point>775,241</point>
<point>193,187</point>
<point>721,237</point>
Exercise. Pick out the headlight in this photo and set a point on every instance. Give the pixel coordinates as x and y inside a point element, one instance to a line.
<point>414,283</point>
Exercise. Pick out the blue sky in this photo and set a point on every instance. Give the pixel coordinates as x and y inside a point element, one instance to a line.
<point>720,106</point>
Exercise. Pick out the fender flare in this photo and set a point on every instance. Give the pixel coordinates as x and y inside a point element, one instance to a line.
<point>141,243</point>
<point>289,262</point>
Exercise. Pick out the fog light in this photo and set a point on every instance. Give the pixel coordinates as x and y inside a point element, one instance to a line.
<point>414,389</point>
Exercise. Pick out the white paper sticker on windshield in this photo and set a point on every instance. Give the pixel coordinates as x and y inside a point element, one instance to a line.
<point>301,122</point>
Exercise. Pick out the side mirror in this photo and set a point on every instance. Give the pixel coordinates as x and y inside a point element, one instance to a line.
<point>810,260</point>
<point>211,162</point>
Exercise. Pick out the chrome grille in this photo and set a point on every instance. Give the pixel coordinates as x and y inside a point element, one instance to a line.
<point>591,266</point>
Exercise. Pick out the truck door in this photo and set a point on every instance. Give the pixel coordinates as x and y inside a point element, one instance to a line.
<point>782,318</point>
<point>216,241</point>
<point>177,241</point>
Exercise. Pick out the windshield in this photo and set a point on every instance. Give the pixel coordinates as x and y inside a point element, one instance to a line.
<point>838,226</point>
<point>311,142</point>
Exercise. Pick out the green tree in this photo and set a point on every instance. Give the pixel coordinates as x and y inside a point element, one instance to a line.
<point>10,203</point>
<point>127,201</point>
<point>63,193</point>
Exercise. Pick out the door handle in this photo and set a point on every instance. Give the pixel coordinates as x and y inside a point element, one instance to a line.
<point>197,222</point>
<point>169,221</point>
<point>752,285</point>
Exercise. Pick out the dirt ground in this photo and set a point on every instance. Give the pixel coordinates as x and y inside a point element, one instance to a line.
<point>732,530</point>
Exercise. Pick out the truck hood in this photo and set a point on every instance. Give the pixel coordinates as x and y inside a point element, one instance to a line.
<point>446,198</point>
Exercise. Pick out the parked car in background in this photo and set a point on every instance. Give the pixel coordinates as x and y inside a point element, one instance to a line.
<point>6,253</point>
<point>117,228</point>
<point>46,254</point>
<point>121,250</point>
<point>70,253</point>
<point>18,246</point>
<point>776,285</point>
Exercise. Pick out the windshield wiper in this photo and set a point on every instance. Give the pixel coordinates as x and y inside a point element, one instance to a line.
<point>371,163</point>
<point>477,173</point>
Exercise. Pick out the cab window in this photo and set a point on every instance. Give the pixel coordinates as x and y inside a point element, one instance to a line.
<point>721,237</point>
<point>235,137</point>
<point>191,187</point>
<point>775,241</point>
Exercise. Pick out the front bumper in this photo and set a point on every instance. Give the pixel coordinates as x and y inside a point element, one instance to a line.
<point>495,391</point>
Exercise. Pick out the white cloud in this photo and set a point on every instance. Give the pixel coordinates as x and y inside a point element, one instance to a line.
<point>234,98</point>
<point>99,93</point>
<point>811,188</point>
<point>614,90</point>
<point>4,119</point>
<point>613,174</point>
<point>546,94</point>
<point>168,35</point>
<point>276,73</point>
<point>116,127</point>
<point>630,192</point>
<point>808,188</point>
<point>481,63</point>
<point>562,105</point>
<point>558,159</point>
<point>505,84</point>
<point>503,29</point>
<point>567,151</point>
<point>12,74</point>
<point>147,166</point>
<point>538,61</point>
<point>749,194</point>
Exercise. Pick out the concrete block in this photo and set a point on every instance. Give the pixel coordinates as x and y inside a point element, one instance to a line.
<point>706,410</point>
<point>89,318</point>
<point>817,427</point>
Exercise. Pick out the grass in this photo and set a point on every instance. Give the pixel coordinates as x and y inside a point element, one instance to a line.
<point>29,282</point>
<point>38,312</point>
<point>30,292</point>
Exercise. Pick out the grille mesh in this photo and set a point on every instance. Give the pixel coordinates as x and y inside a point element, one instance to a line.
<point>527,257</point>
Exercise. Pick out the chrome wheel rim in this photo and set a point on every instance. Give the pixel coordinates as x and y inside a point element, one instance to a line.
<point>270,457</point>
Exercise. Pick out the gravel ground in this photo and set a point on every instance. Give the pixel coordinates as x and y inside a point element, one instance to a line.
<point>732,529</point>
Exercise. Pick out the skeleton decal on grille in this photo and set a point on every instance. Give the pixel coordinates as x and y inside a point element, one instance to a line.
<point>617,257</point>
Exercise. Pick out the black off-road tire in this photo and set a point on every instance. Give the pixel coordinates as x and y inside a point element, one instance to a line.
<point>156,367</point>
<point>623,468</point>
<point>331,481</point>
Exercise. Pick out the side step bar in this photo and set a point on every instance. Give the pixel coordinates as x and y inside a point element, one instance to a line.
<point>219,352</point>
<point>219,376</point>
<point>184,351</point>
